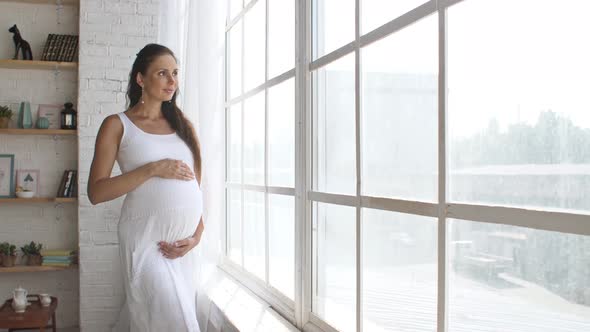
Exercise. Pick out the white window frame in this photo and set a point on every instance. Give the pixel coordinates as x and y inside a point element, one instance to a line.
<point>280,302</point>
<point>299,310</point>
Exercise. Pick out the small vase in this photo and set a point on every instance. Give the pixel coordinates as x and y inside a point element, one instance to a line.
<point>42,122</point>
<point>4,122</point>
<point>34,260</point>
<point>25,118</point>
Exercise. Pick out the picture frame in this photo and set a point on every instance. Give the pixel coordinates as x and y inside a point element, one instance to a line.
<point>28,179</point>
<point>6,176</point>
<point>52,113</point>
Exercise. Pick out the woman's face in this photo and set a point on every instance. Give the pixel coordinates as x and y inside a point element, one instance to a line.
<point>160,80</point>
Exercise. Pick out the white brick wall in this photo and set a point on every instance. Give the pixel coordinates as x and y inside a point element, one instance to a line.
<point>111,33</point>
<point>54,225</point>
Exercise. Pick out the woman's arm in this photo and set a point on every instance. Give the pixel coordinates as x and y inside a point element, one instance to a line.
<point>102,187</point>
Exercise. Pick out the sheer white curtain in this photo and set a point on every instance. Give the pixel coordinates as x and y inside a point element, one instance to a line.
<point>173,33</point>
<point>195,31</point>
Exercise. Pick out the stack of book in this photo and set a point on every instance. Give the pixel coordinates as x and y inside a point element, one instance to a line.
<point>60,48</point>
<point>59,257</point>
<point>68,187</point>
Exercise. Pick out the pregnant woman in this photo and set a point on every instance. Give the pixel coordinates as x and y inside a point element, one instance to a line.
<point>158,153</point>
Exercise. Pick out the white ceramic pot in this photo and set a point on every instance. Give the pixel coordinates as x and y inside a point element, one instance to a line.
<point>25,194</point>
<point>45,300</point>
<point>19,299</point>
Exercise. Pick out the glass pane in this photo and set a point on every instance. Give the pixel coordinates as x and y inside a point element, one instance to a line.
<point>254,45</point>
<point>235,6</point>
<point>333,25</point>
<point>334,277</point>
<point>254,139</point>
<point>281,134</point>
<point>519,120</point>
<point>282,244</point>
<point>399,271</point>
<point>234,141</point>
<point>234,52</point>
<point>234,225</point>
<point>508,278</point>
<point>375,13</point>
<point>400,115</point>
<point>281,36</point>
<point>254,233</point>
<point>334,133</point>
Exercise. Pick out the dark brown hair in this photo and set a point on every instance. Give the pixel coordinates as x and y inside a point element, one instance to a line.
<point>170,110</point>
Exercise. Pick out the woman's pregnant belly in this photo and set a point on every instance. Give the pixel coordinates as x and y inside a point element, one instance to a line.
<point>158,194</point>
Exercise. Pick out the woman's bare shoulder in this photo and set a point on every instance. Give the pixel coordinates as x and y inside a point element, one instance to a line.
<point>111,127</point>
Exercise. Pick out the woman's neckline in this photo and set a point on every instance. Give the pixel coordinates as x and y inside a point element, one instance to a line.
<point>143,131</point>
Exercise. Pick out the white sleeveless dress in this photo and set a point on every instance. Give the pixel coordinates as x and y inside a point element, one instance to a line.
<point>160,292</point>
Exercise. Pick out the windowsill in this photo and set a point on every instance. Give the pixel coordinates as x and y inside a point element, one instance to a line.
<point>229,306</point>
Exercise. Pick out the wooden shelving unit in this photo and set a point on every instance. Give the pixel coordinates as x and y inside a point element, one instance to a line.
<point>34,64</point>
<point>39,200</point>
<point>15,131</point>
<point>26,268</point>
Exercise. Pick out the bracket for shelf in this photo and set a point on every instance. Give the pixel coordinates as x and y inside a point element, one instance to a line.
<point>59,7</point>
<point>56,73</point>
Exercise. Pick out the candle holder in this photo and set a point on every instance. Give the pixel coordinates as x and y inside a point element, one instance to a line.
<point>68,117</point>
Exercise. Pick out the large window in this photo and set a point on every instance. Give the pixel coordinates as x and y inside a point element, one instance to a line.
<point>260,144</point>
<point>423,166</point>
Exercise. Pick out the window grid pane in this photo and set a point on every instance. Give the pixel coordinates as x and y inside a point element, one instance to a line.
<point>254,234</point>
<point>255,46</point>
<point>281,36</point>
<point>517,279</point>
<point>282,243</point>
<point>254,139</point>
<point>334,286</point>
<point>378,12</point>
<point>399,114</point>
<point>399,271</point>
<point>234,140</point>
<point>234,69</point>
<point>281,134</point>
<point>334,127</point>
<point>522,141</point>
<point>333,25</point>
<point>234,225</point>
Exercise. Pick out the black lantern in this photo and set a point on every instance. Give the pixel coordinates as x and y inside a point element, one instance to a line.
<point>68,117</point>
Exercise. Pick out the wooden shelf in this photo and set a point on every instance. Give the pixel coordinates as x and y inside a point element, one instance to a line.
<point>40,200</point>
<point>26,268</point>
<point>48,2</point>
<point>16,131</point>
<point>65,199</point>
<point>34,64</point>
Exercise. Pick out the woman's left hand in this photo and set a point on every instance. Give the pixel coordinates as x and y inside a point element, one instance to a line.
<point>178,248</point>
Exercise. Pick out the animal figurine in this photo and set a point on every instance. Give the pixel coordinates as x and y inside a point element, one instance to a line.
<point>21,44</point>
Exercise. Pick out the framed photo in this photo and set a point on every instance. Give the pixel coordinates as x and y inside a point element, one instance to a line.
<point>28,179</point>
<point>6,178</point>
<point>52,113</point>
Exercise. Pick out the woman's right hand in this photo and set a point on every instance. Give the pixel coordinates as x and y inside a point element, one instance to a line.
<point>173,169</point>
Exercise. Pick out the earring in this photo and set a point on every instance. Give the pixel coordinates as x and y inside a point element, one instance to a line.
<point>142,95</point>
